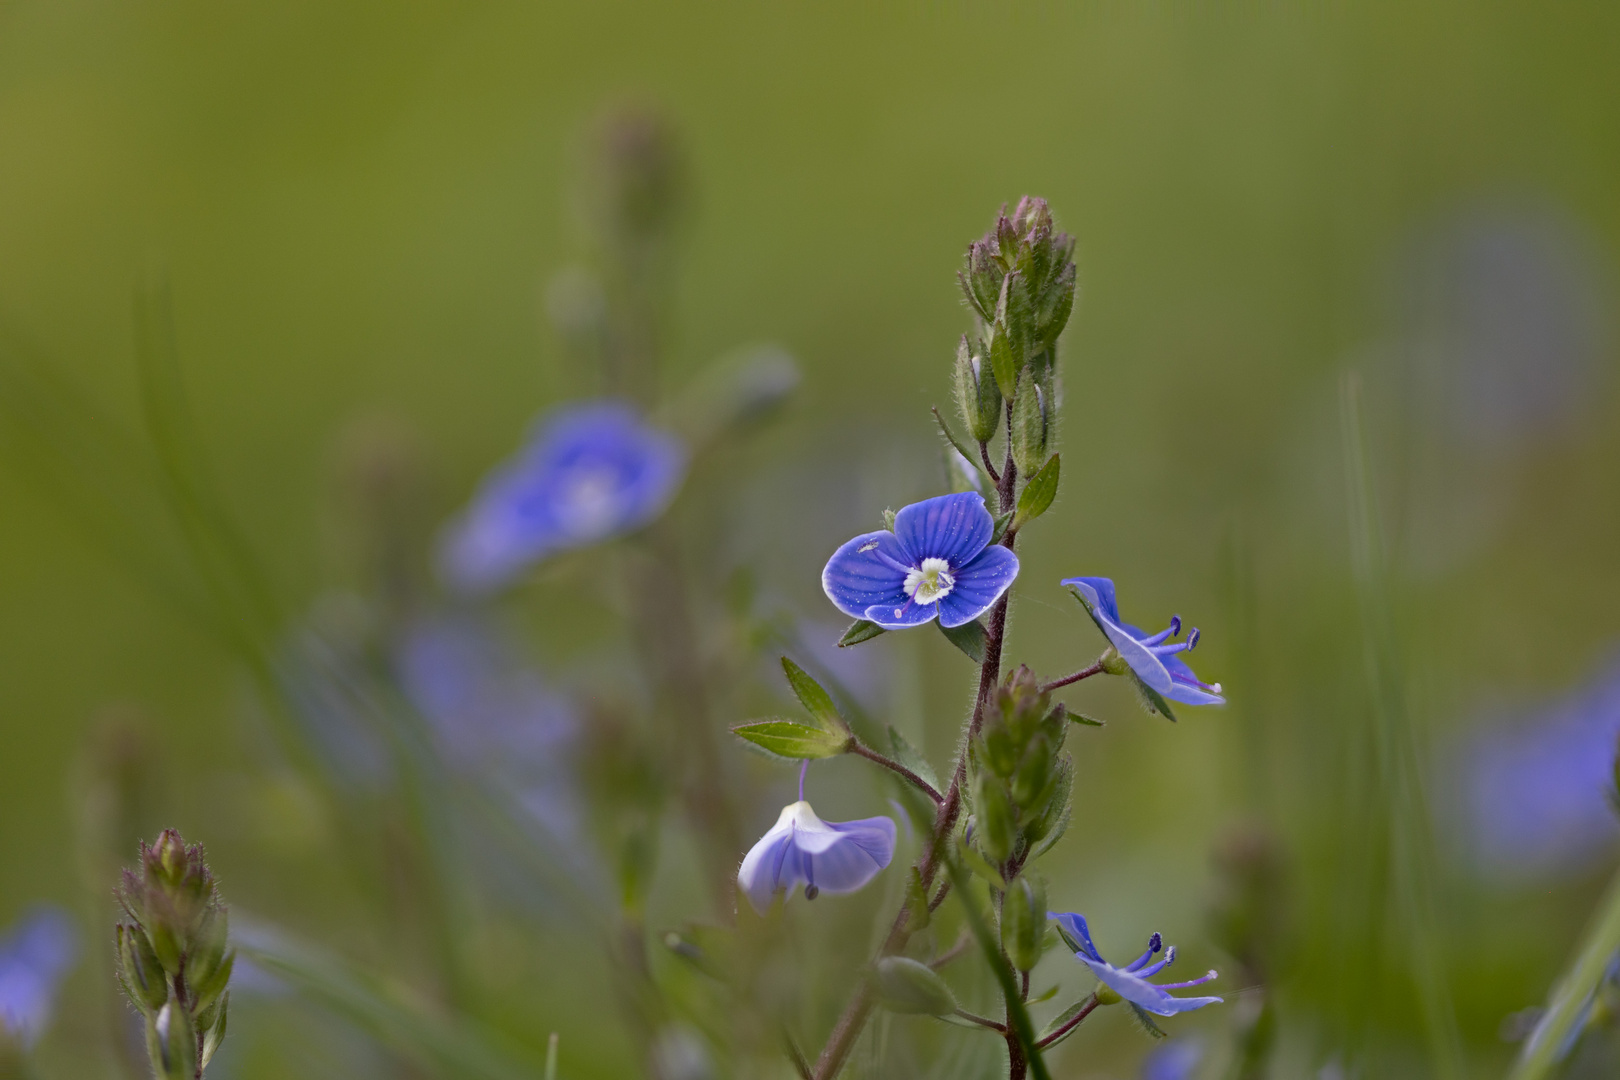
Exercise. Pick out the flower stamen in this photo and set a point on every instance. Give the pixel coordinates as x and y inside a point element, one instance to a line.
<point>930,582</point>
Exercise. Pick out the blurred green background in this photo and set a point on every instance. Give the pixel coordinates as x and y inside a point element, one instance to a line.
<point>359,207</point>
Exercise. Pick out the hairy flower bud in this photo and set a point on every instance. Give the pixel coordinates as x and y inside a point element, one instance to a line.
<point>139,970</point>
<point>978,398</point>
<point>171,1043</point>
<point>1023,921</point>
<point>1030,425</point>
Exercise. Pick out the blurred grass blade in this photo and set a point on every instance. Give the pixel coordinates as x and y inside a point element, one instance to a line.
<point>1396,771</point>
<point>222,553</point>
<point>445,1046</point>
<point>1573,993</point>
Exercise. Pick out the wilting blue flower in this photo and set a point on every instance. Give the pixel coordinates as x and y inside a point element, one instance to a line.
<point>33,959</point>
<point>1173,1059</point>
<point>938,562</point>
<point>1150,660</point>
<point>823,856</point>
<point>1532,793</point>
<point>1131,982</point>
<point>589,472</point>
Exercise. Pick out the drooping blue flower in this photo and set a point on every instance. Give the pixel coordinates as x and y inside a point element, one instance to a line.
<point>1131,982</point>
<point>33,959</point>
<point>937,563</point>
<point>823,856</point>
<point>1149,658</point>
<point>588,473</point>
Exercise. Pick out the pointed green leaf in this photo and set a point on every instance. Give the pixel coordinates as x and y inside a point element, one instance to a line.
<point>860,630</point>
<point>816,701</point>
<point>1063,1018</point>
<point>904,985</point>
<point>1045,995</point>
<point>1002,520</point>
<point>1003,360</point>
<point>1088,721</point>
<point>969,637</point>
<point>957,444</point>
<point>1152,700</point>
<point>974,861</point>
<point>1038,494</point>
<point>790,739</point>
<point>911,758</point>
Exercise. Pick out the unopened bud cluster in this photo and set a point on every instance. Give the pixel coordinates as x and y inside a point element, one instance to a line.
<point>172,957</point>
<point>1020,282</point>
<point>1020,794</point>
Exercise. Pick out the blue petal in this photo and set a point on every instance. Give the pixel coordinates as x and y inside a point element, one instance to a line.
<point>868,570</point>
<point>1077,929</point>
<point>901,614</point>
<point>951,527</point>
<point>978,586</point>
<point>33,960</point>
<point>1141,992</point>
<point>1185,687</point>
<point>863,848</point>
<point>1100,592</point>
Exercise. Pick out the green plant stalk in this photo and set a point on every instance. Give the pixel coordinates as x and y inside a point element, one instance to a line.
<point>1572,992</point>
<point>1022,1032</point>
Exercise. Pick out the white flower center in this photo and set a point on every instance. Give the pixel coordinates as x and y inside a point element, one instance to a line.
<point>929,582</point>
<point>591,501</point>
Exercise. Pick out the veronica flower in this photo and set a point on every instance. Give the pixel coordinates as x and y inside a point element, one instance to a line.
<point>1148,657</point>
<point>1131,982</point>
<point>589,472</point>
<point>938,562</point>
<point>33,959</point>
<point>824,856</point>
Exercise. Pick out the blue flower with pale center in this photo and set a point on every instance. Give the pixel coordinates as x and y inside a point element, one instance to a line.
<point>588,473</point>
<point>1150,659</point>
<point>33,959</point>
<point>823,856</point>
<point>1131,982</point>
<point>937,563</point>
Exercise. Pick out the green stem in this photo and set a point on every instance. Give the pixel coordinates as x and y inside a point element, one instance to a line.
<point>1023,1032</point>
<point>1572,993</point>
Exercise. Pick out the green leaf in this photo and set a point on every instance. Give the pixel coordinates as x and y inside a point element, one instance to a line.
<point>1063,1018</point>
<point>1088,721</point>
<point>1002,520</point>
<point>957,445</point>
<point>970,637</point>
<point>860,630</point>
<point>918,914</point>
<point>1152,700</point>
<point>791,739</point>
<point>912,758</point>
<point>442,1046</point>
<point>1045,995</point>
<point>1038,494</point>
<point>816,701</point>
<point>980,865</point>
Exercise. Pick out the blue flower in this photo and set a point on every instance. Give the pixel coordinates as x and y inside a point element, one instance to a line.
<point>823,856</point>
<point>1173,1059</point>
<point>1131,982</point>
<point>589,472</point>
<point>33,959</point>
<point>938,562</point>
<point>1154,663</point>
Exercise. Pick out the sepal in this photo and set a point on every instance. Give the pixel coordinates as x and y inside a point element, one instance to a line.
<point>904,985</point>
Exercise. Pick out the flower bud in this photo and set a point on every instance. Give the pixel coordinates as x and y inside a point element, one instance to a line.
<point>1029,426</point>
<point>139,969</point>
<point>978,398</point>
<point>1023,921</point>
<point>981,278</point>
<point>905,986</point>
<point>996,828</point>
<point>171,1043</point>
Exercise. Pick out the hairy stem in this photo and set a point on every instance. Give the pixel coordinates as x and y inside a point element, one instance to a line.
<point>861,749</point>
<point>1083,673</point>
<point>1070,1024</point>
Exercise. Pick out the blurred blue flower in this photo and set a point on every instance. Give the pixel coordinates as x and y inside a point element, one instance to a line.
<point>1173,1059</point>
<point>1535,791</point>
<point>1150,660</point>
<point>34,957</point>
<point>1131,982</point>
<point>495,717</point>
<point>936,563</point>
<point>823,856</point>
<point>588,473</point>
